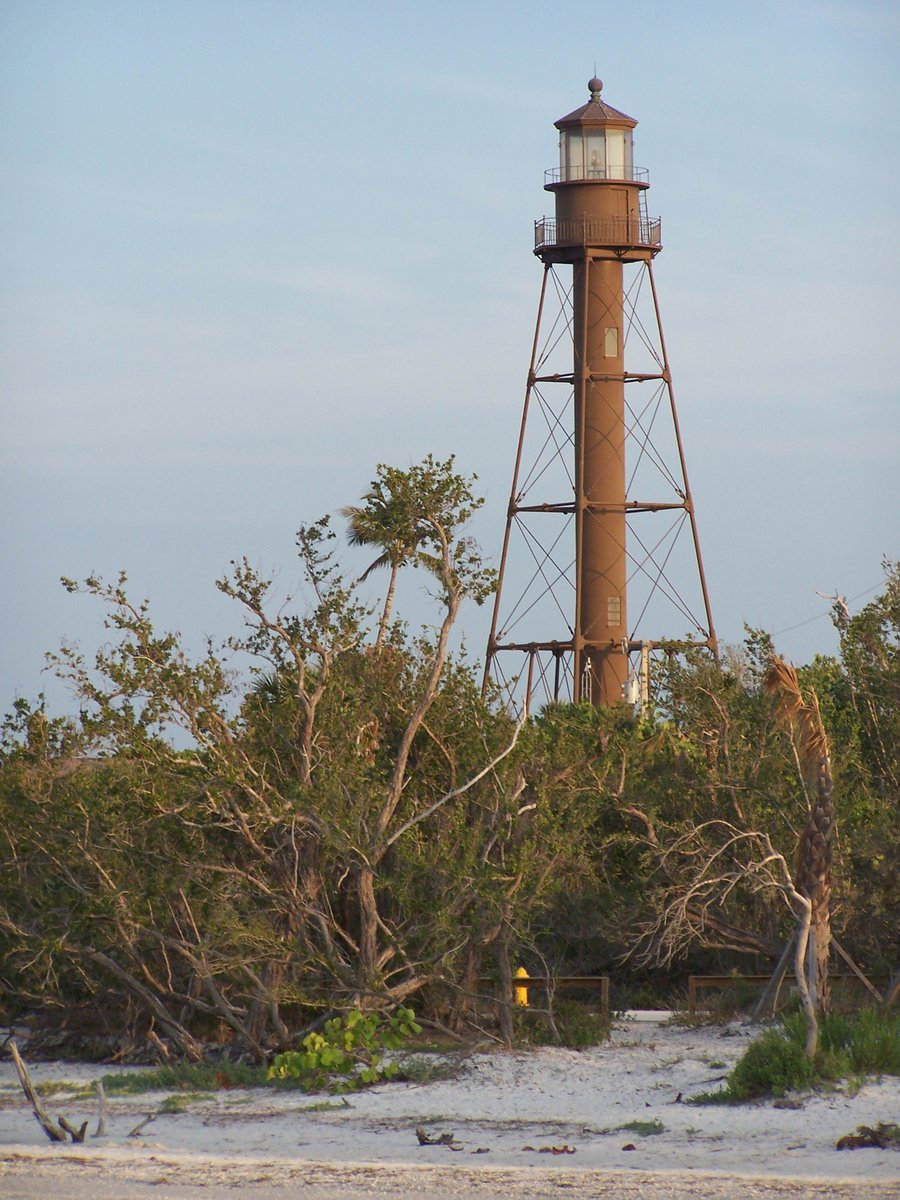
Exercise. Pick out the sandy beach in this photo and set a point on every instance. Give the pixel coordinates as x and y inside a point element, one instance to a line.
<point>609,1121</point>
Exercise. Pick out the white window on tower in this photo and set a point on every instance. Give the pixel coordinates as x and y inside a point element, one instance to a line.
<point>611,342</point>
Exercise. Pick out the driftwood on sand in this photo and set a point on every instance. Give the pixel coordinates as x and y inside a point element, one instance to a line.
<point>58,1130</point>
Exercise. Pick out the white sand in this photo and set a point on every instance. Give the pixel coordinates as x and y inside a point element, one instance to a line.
<point>260,1143</point>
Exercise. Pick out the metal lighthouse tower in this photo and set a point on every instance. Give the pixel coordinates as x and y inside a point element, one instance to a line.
<point>601,561</point>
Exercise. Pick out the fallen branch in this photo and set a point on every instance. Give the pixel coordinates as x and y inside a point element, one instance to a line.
<point>56,1133</point>
<point>101,1110</point>
<point>884,1136</point>
<point>146,1121</point>
<point>442,1139</point>
<point>77,1135</point>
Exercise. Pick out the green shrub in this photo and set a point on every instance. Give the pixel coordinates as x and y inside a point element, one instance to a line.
<point>576,1025</point>
<point>426,1068</point>
<point>871,1040</point>
<point>348,1053</point>
<point>770,1066</point>
<point>579,1026</point>
<point>863,1043</point>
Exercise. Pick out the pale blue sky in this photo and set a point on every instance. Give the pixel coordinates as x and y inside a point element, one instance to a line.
<point>249,250</point>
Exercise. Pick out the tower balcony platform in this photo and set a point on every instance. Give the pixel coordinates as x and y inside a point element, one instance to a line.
<point>625,233</point>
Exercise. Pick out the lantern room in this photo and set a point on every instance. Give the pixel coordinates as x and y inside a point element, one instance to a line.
<point>595,142</point>
<point>600,194</point>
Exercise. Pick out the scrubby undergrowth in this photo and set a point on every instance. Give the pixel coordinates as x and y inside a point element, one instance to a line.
<point>851,1047</point>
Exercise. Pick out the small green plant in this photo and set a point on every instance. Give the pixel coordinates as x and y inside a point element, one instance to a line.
<point>348,1053</point>
<point>426,1068</point>
<point>576,1026</point>
<point>56,1087</point>
<point>181,1101</point>
<point>643,1128</point>
<point>206,1077</point>
<point>579,1026</point>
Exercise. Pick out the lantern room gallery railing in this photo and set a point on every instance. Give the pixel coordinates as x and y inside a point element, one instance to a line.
<point>575,173</point>
<point>611,231</point>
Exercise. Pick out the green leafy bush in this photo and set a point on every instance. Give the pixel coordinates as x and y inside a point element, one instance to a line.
<point>770,1066</point>
<point>348,1053</point>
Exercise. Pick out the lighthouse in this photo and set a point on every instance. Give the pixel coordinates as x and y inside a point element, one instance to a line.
<point>599,446</point>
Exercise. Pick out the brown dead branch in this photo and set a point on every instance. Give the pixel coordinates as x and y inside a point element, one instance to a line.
<point>53,1131</point>
<point>138,1129</point>
<point>101,1113</point>
<point>705,866</point>
<point>77,1135</point>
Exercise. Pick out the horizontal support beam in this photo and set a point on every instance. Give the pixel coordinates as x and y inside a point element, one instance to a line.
<point>596,377</point>
<point>665,644</point>
<point>600,506</point>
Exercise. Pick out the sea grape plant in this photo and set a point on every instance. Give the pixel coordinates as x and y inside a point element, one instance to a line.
<point>348,1052</point>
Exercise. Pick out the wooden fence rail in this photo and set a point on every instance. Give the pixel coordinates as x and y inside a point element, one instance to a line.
<point>698,982</point>
<point>567,983</point>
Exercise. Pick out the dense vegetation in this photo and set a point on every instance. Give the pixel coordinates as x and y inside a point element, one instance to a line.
<point>351,826</point>
<point>852,1046</point>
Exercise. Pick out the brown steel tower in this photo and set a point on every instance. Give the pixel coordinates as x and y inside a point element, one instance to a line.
<point>573,628</point>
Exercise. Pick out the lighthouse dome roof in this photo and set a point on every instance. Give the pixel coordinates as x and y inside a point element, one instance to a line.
<point>596,111</point>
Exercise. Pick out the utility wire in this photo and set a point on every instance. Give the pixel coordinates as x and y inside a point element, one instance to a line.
<point>819,616</point>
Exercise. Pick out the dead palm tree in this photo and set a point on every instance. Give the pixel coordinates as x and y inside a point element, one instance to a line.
<point>814,876</point>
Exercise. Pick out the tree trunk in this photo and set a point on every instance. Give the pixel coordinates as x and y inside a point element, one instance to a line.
<point>814,880</point>
<point>388,607</point>
<point>368,927</point>
<point>769,999</point>
<point>814,876</point>
<point>505,986</point>
<point>801,950</point>
<point>465,1003</point>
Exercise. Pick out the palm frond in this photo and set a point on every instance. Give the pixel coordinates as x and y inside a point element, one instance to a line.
<point>797,713</point>
<point>383,560</point>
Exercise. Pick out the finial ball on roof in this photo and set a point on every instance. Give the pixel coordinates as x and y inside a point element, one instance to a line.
<point>595,87</point>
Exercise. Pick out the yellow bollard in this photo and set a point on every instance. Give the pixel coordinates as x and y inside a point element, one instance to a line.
<point>521,993</point>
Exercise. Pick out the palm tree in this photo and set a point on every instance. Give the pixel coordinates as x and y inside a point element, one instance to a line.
<point>390,523</point>
<point>402,513</point>
<point>368,529</point>
<point>801,716</point>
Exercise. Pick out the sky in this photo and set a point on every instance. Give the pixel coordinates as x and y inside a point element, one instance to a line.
<point>249,250</point>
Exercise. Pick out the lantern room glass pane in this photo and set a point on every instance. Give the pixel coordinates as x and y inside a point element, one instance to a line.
<point>615,153</point>
<point>573,151</point>
<point>595,154</point>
